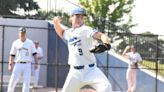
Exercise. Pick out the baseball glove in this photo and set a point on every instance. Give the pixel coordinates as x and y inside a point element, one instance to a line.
<point>100,48</point>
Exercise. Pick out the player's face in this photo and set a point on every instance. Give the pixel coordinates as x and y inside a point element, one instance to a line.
<point>133,50</point>
<point>22,36</point>
<point>77,20</point>
<point>36,45</point>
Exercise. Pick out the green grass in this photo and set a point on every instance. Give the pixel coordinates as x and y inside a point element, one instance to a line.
<point>152,66</point>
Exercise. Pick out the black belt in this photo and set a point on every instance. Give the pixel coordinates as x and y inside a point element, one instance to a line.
<point>22,62</point>
<point>82,67</point>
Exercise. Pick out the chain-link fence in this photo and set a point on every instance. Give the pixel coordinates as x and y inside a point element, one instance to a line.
<point>151,48</point>
<point>54,67</point>
<point>9,33</point>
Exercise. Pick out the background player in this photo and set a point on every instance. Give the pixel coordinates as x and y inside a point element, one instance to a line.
<point>22,52</point>
<point>134,57</point>
<point>83,69</point>
<point>35,72</point>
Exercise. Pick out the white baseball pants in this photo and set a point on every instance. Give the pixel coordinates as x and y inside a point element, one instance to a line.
<point>131,79</point>
<point>88,76</point>
<point>19,68</point>
<point>35,73</point>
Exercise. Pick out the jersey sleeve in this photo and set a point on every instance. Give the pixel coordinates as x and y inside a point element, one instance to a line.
<point>41,52</point>
<point>139,58</point>
<point>33,48</point>
<point>91,32</point>
<point>65,35</point>
<point>13,49</point>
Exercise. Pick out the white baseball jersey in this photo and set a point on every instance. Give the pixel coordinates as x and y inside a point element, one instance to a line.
<point>35,72</point>
<point>79,41</point>
<point>23,50</point>
<point>39,52</point>
<point>134,57</point>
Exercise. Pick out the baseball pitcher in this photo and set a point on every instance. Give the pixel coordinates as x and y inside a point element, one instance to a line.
<point>83,70</point>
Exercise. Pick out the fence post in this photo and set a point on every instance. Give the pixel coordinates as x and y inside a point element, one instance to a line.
<point>157,66</point>
<point>2,58</point>
<point>57,62</point>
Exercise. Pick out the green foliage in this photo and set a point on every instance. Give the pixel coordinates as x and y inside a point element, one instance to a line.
<point>148,45</point>
<point>50,15</point>
<point>27,5</point>
<point>105,12</point>
<point>152,66</point>
<point>6,6</point>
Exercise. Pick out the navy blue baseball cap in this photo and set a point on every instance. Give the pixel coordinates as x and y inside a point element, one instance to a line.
<point>78,10</point>
<point>22,29</point>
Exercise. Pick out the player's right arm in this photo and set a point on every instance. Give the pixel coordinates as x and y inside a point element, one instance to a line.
<point>57,24</point>
<point>11,61</point>
<point>11,57</point>
<point>126,51</point>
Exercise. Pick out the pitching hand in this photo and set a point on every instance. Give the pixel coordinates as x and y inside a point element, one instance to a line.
<point>56,20</point>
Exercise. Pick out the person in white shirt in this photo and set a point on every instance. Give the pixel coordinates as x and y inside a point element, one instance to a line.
<point>133,59</point>
<point>35,72</point>
<point>83,70</point>
<point>21,55</point>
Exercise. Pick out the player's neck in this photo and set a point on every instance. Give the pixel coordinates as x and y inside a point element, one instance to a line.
<point>76,25</point>
<point>133,52</point>
<point>23,39</point>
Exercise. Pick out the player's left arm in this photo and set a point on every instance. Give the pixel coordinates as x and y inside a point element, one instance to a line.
<point>41,54</point>
<point>101,36</point>
<point>34,53</point>
<point>139,58</point>
<point>104,46</point>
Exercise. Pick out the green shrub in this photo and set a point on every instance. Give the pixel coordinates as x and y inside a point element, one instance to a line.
<point>152,66</point>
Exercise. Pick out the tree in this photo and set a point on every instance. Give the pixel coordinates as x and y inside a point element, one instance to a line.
<point>6,6</point>
<point>50,15</point>
<point>105,14</point>
<point>9,7</point>
<point>27,5</point>
<point>148,45</point>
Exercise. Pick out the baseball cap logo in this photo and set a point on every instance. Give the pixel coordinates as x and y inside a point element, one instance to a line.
<point>22,29</point>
